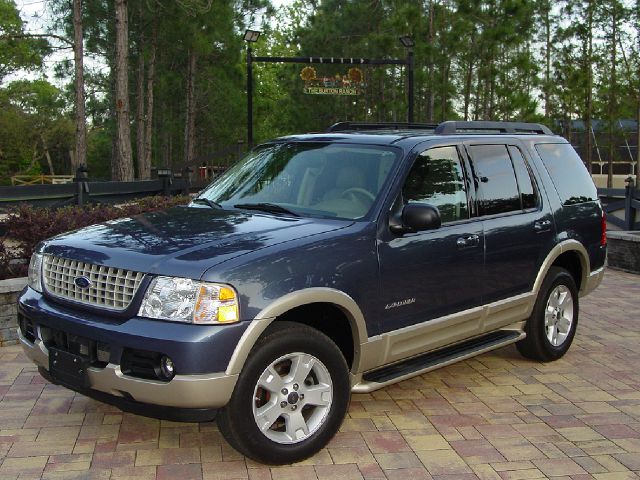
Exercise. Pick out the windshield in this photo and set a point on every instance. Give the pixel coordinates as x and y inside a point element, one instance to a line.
<point>308,179</point>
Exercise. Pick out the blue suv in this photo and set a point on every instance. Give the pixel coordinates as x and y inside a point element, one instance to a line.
<point>317,266</point>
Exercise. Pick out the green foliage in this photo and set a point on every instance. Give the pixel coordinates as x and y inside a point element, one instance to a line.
<point>17,51</point>
<point>492,59</point>
<point>15,151</point>
<point>33,122</point>
<point>99,150</point>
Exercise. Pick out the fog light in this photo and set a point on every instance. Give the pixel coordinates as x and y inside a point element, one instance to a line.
<point>103,352</point>
<point>167,368</point>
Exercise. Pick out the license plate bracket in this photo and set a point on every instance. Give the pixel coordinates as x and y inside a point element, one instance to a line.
<point>68,368</point>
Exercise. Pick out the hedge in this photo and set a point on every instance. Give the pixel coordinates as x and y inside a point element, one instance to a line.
<point>26,226</point>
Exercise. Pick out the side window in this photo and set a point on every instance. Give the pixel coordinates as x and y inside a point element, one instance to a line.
<point>497,187</point>
<point>569,175</point>
<point>437,178</point>
<point>528,192</point>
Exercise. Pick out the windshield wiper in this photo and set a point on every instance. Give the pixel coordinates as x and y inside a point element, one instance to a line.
<point>266,207</point>
<point>206,201</point>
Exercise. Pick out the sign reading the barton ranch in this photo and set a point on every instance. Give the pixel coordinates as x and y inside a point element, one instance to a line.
<point>352,83</point>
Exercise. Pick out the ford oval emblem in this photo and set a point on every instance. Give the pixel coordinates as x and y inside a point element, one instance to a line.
<point>82,282</point>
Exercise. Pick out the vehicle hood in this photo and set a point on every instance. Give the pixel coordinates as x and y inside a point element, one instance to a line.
<point>182,241</point>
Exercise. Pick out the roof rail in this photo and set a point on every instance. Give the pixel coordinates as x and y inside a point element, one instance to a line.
<point>450,127</point>
<point>344,126</point>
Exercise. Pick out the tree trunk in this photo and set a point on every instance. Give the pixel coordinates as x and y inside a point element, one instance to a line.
<point>394,97</point>
<point>589,99</point>
<point>477,97</point>
<point>190,123</point>
<point>72,159</point>
<point>140,117</point>
<point>638,93</point>
<point>80,157</point>
<point>430,67</point>
<point>469,79</point>
<point>638,145</point>
<point>445,88</point>
<point>34,157</point>
<point>47,155</point>
<point>122,166</point>
<point>612,94</point>
<point>547,55</point>
<point>151,78</point>
<point>492,90</point>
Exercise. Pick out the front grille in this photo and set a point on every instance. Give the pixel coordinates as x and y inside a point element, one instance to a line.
<point>109,288</point>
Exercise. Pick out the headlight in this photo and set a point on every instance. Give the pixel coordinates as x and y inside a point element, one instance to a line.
<point>190,301</point>
<point>34,278</point>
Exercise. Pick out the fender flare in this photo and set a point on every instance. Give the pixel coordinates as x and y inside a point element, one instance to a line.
<point>297,299</point>
<point>563,247</point>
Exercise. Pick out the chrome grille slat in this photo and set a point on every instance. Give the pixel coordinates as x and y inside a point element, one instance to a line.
<point>111,288</point>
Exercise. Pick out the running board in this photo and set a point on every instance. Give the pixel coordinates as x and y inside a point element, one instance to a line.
<point>414,366</point>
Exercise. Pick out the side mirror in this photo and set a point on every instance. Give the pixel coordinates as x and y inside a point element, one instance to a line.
<point>416,217</point>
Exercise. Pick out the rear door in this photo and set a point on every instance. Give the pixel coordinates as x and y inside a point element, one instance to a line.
<point>518,228</point>
<point>429,274</point>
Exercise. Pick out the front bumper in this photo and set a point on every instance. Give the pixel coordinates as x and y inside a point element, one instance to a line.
<point>194,349</point>
<point>183,391</point>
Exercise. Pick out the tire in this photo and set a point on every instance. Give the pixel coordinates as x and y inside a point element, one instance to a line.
<point>552,325</point>
<point>295,384</point>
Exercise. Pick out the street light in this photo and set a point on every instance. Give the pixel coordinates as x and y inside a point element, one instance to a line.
<point>251,36</point>
<point>408,43</point>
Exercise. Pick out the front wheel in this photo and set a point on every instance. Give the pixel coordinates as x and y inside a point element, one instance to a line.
<point>552,325</point>
<point>291,396</point>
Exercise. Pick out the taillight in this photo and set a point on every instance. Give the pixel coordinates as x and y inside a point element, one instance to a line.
<point>603,225</point>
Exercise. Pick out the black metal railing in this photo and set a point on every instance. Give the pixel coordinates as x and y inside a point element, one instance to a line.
<point>85,190</point>
<point>626,200</point>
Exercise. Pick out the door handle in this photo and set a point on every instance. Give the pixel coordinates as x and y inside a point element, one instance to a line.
<point>468,241</point>
<point>542,226</point>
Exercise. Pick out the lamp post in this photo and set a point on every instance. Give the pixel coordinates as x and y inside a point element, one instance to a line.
<point>408,43</point>
<point>250,36</point>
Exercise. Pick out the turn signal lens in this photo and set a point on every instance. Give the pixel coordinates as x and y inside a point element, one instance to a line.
<point>228,313</point>
<point>34,278</point>
<point>215,304</point>
<point>227,294</point>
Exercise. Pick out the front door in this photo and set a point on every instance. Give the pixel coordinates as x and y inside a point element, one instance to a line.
<point>430,274</point>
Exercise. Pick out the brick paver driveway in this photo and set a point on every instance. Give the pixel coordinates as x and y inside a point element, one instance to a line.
<point>495,416</point>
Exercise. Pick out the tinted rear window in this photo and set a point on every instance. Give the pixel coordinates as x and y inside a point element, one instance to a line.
<point>498,189</point>
<point>569,175</point>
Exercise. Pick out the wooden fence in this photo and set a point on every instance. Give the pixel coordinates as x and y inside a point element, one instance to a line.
<point>41,179</point>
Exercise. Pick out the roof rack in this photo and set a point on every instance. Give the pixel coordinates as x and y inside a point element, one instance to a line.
<point>447,128</point>
<point>345,126</point>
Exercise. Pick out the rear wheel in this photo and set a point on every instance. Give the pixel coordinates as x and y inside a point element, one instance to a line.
<point>291,396</point>
<point>552,325</point>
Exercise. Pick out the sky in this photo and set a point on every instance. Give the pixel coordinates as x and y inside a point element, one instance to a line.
<point>36,15</point>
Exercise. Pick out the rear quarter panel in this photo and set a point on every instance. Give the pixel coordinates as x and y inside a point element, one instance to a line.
<point>581,221</point>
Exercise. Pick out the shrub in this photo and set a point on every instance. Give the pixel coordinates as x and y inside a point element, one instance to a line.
<point>28,226</point>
